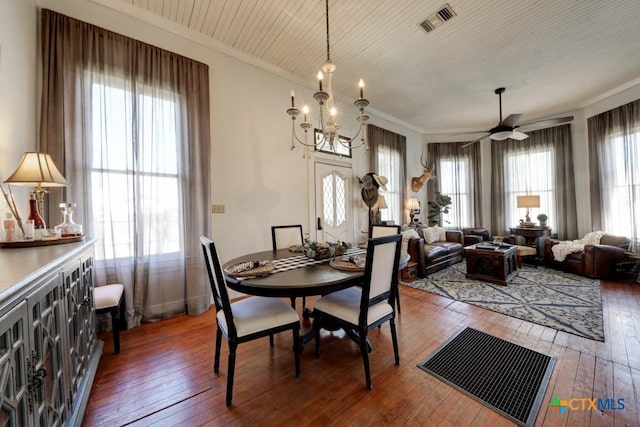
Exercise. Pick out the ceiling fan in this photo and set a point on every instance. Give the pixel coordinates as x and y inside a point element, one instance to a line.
<point>507,128</point>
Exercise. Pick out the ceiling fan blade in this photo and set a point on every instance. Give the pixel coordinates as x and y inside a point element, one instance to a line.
<point>518,136</point>
<point>511,120</point>
<point>469,144</point>
<point>471,135</point>
<point>544,123</point>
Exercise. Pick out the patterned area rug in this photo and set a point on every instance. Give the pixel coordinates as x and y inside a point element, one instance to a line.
<point>562,301</point>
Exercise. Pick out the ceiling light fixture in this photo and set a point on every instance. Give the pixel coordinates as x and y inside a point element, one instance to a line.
<point>327,107</point>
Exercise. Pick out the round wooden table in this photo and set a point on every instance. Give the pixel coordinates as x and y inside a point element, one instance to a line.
<point>316,279</point>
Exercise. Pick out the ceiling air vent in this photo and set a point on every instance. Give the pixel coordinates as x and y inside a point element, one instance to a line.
<point>443,14</point>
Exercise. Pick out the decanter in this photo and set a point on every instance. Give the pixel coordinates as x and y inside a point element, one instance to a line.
<point>68,228</point>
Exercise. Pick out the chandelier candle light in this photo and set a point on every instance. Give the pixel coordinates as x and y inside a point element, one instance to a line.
<point>325,99</point>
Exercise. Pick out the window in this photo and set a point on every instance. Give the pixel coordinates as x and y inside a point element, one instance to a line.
<point>335,201</point>
<point>135,182</point>
<point>454,178</point>
<point>388,166</point>
<point>529,172</point>
<point>621,201</point>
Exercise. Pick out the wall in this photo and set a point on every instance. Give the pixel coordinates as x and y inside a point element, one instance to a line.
<point>18,81</point>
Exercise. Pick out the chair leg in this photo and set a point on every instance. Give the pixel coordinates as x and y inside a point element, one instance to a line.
<point>296,349</point>
<point>394,339</point>
<point>216,363</point>
<point>115,326</point>
<point>316,320</point>
<point>398,301</point>
<point>304,303</point>
<point>365,356</point>
<point>271,340</point>
<point>293,302</point>
<point>231,371</point>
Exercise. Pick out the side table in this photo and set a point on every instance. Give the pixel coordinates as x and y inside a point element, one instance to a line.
<point>531,234</point>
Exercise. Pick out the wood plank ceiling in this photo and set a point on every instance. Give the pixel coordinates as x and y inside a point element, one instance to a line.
<point>553,56</point>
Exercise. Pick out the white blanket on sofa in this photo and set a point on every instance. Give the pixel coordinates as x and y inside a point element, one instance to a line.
<point>562,249</point>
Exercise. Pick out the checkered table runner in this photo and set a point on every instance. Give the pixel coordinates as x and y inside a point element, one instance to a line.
<point>299,261</point>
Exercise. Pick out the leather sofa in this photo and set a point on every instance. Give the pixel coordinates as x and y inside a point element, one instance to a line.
<point>596,261</point>
<point>435,256</point>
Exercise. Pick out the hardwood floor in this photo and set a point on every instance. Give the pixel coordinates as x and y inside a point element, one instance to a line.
<point>164,373</point>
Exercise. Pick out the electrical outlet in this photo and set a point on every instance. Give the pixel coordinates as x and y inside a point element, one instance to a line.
<point>217,208</point>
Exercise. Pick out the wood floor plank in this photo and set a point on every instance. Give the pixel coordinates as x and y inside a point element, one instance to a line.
<point>164,373</point>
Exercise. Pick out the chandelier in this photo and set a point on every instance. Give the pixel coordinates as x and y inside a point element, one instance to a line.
<point>328,135</point>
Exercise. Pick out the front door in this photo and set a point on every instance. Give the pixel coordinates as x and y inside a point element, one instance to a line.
<point>334,219</point>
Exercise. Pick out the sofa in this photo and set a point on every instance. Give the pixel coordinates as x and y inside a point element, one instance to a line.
<point>596,260</point>
<point>436,255</point>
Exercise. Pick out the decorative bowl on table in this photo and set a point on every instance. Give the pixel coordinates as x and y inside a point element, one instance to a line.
<point>324,250</point>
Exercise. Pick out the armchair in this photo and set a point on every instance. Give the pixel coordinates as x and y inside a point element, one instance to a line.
<point>475,235</point>
<point>597,261</point>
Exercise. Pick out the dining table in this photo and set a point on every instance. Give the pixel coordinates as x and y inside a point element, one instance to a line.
<point>295,275</point>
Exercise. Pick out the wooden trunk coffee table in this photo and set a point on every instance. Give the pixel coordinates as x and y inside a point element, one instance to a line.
<point>492,263</point>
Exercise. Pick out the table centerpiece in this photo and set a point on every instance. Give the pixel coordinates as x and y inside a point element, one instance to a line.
<point>323,250</point>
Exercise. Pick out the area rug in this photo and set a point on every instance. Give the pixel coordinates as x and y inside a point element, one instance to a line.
<point>559,300</point>
<point>508,378</point>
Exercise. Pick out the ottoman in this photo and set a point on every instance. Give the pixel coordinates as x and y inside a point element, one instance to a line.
<point>526,253</point>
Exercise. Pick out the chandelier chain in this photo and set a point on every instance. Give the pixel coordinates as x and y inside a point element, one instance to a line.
<point>327,15</point>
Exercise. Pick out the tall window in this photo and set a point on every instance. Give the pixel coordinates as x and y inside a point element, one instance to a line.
<point>460,210</point>
<point>388,159</point>
<point>614,139</point>
<point>131,124</point>
<point>457,173</point>
<point>135,184</point>
<point>539,165</point>
<point>529,173</point>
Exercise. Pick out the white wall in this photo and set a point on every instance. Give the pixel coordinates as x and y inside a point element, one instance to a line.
<point>18,59</point>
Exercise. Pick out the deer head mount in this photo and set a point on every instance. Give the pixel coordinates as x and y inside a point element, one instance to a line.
<point>418,181</point>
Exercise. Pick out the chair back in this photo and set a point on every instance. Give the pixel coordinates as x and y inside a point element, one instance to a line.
<point>381,273</point>
<point>218,283</point>
<point>283,236</point>
<point>383,230</point>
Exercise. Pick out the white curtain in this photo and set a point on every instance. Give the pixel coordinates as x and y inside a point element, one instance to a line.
<point>130,124</point>
<point>614,138</point>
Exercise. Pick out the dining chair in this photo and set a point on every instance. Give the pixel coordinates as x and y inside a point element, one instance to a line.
<point>359,309</point>
<point>284,236</point>
<point>245,320</point>
<point>379,230</point>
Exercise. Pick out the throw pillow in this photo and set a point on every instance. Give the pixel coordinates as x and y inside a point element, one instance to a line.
<point>592,238</point>
<point>442,234</point>
<point>431,235</point>
<point>484,234</point>
<point>406,235</point>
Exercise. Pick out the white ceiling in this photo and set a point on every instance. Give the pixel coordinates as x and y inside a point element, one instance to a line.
<point>553,56</point>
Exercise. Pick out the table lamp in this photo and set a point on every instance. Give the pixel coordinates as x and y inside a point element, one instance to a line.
<point>413,205</point>
<point>528,202</point>
<point>39,171</point>
<point>381,203</point>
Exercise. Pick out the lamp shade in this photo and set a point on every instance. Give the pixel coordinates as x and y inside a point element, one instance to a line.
<point>528,201</point>
<point>382,203</point>
<point>37,170</point>
<point>412,203</point>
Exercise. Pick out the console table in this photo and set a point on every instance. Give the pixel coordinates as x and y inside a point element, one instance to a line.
<point>530,234</point>
<point>50,350</point>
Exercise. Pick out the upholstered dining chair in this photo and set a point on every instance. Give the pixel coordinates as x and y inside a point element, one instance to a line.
<point>284,236</point>
<point>245,320</point>
<point>378,230</point>
<point>360,309</point>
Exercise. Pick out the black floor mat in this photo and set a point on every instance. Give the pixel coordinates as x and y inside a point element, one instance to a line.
<point>506,377</point>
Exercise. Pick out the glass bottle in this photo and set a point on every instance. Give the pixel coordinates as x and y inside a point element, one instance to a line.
<point>9,227</point>
<point>68,228</point>
<point>34,214</point>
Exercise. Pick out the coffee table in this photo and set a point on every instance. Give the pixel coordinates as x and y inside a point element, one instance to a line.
<point>491,263</point>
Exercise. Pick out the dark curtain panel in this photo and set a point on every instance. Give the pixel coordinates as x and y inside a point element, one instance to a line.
<point>390,146</point>
<point>523,167</point>
<point>614,165</point>
<point>458,174</point>
<point>128,121</point>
